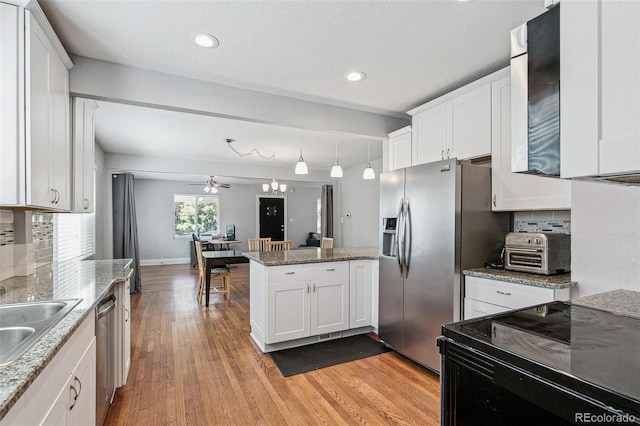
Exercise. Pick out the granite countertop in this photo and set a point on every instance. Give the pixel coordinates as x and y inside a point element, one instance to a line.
<point>546,281</point>
<point>311,255</point>
<point>88,279</point>
<point>619,302</point>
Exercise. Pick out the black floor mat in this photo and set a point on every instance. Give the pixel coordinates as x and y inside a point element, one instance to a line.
<point>325,354</point>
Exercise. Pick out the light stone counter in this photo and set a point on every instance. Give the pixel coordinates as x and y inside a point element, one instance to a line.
<point>546,281</point>
<point>619,302</point>
<point>88,279</point>
<point>310,255</point>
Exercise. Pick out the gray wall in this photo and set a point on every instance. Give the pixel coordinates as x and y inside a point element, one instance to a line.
<point>238,205</point>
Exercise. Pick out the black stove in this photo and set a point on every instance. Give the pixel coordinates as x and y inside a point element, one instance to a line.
<point>531,354</point>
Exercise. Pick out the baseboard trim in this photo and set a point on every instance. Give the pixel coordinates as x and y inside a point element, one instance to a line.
<point>159,262</point>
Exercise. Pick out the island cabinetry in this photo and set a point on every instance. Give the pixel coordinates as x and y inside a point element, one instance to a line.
<point>307,300</point>
<point>485,296</point>
<point>360,293</point>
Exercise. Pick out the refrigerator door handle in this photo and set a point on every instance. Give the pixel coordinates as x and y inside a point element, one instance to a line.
<point>406,223</point>
<point>400,236</point>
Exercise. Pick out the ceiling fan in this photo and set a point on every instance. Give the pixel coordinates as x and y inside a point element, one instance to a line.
<point>212,186</point>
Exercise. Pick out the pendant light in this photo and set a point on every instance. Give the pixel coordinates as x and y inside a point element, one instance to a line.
<point>368,172</point>
<point>301,166</point>
<point>274,185</point>
<point>336,170</point>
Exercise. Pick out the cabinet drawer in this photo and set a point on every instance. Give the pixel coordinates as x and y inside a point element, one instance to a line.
<point>506,294</point>
<point>293,273</point>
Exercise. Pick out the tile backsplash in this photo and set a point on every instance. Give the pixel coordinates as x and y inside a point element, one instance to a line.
<point>7,242</point>
<point>42,230</point>
<point>542,221</point>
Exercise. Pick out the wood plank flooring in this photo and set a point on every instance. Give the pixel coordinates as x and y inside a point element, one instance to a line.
<point>197,366</point>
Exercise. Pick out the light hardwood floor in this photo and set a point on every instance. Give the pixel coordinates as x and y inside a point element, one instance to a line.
<point>193,365</point>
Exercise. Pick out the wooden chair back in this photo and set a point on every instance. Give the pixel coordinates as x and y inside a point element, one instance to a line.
<point>258,244</point>
<point>224,286</point>
<point>327,243</point>
<point>278,245</point>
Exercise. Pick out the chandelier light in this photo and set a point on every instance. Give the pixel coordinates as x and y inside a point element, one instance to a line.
<point>369,173</point>
<point>274,185</point>
<point>301,166</point>
<point>336,170</point>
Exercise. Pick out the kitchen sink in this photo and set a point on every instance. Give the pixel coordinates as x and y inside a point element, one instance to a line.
<point>23,324</point>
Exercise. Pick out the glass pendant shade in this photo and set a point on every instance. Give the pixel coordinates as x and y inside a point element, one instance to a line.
<point>207,188</point>
<point>336,170</point>
<point>301,166</point>
<point>214,190</point>
<point>369,173</point>
<point>283,187</point>
<point>265,187</point>
<point>274,185</point>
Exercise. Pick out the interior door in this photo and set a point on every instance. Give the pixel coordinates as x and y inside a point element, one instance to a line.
<point>272,218</point>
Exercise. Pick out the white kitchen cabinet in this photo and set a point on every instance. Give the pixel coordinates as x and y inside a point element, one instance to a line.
<point>485,296</point>
<point>17,415</point>
<point>35,157</point>
<point>123,361</point>
<point>457,124</point>
<point>517,191</point>
<point>360,297</point>
<point>400,148</point>
<point>83,154</point>
<point>307,300</point>
<point>600,90</point>
<point>64,393</point>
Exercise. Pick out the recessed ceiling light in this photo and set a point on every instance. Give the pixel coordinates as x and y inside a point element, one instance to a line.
<point>206,40</point>
<point>356,76</point>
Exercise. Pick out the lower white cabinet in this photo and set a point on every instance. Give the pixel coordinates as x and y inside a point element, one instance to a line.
<point>307,300</point>
<point>485,296</point>
<point>517,191</point>
<point>123,361</point>
<point>65,392</point>
<point>293,305</point>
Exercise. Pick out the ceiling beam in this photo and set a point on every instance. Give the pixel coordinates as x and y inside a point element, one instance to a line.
<point>94,79</point>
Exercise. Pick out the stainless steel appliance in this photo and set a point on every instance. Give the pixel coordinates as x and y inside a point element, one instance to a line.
<point>443,224</point>
<point>105,354</point>
<point>535,95</point>
<point>538,252</point>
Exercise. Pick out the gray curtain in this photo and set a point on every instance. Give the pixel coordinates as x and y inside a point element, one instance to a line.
<point>125,229</point>
<point>327,210</point>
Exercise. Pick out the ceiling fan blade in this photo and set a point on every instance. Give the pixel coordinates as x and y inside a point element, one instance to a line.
<point>222,185</point>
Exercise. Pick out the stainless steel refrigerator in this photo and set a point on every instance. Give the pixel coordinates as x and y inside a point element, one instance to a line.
<point>436,221</point>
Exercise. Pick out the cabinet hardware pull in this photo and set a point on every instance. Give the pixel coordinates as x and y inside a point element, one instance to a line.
<point>127,311</point>
<point>502,292</point>
<point>86,204</point>
<point>76,379</point>
<point>442,154</point>
<point>331,269</point>
<point>307,287</point>
<point>75,398</point>
<point>289,273</point>
<point>52,196</point>
<point>448,153</point>
<point>494,200</point>
<point>314,287</point>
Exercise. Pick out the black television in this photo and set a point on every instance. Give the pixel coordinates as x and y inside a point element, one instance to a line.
<point>231,232</point>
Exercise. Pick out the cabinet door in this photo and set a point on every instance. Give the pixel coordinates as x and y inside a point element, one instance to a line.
<point>288,315</point>
<point>83,154</point>
<point>429,134</point>
<point>60,119</point>
<point>470,124</point>
<point>57,414</point>
<point>400,149</point>
<point>82,390</point>
<point>124,333</point>
<point>359,293</point>
<point>475,308</point>
<point>517,191</point>
<point>329,304</point>
<point>40,191</point>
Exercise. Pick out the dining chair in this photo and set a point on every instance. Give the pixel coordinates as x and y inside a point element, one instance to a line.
<point>278,245</point>
<point>258,244</point>
<point>221,274</point>
<point>327,243</point>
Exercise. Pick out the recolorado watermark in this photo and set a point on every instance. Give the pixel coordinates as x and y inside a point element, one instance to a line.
<point>604,418</point>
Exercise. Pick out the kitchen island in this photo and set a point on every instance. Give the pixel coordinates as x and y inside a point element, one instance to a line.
<point>308,295</point>
<point>85,280</point>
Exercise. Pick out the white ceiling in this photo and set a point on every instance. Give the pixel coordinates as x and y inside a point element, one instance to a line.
<point>411,52</point>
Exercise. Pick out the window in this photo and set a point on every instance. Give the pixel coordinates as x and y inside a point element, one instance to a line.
<point>196,213</point>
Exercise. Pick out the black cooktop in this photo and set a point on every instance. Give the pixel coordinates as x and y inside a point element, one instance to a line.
<point>564,343</point>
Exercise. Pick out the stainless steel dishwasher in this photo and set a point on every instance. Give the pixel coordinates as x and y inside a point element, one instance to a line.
<point>105,354</point>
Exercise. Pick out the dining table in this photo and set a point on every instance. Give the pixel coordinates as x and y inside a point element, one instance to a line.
<point>220,242</point>
<point>218,259</point>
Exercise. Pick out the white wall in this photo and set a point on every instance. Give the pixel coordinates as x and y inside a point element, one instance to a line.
<point>104,243</point>
<point>605,237</point>
<point>359,207</point>
<point>238,205</point>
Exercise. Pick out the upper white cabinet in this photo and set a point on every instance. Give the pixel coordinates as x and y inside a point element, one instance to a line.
<point>517,191</point>
<point>457,124</point>
<point>600,90</point>
<point>83,152</point>
<point>35,157</point>
<point>400,148</point>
